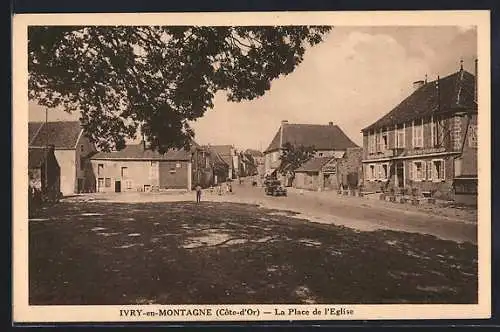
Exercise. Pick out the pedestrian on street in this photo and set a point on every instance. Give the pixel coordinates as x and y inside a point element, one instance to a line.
<point>198,193</point>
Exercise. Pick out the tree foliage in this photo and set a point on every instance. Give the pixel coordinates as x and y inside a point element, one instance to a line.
<point>157,78</point>
<point>292,157</point>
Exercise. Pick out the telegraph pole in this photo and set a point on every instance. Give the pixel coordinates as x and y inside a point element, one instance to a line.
<point>46,151</point>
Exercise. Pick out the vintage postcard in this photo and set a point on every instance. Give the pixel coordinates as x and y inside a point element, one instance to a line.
<point>251,166</point>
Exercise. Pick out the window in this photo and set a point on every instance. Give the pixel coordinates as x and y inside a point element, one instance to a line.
<point>438,170</point>
<point>128,184</point>
<point>178,165</point>
<point>100,168</point>
<point>473,136</point>
<point>428,170</point>
<point>124,172</point>
<point>418,138</point>
<point>372,174</point>
<point>385,141</point>
<point>400,137</point>
<point>371,143</point>
<point>384,171</point>
<point>107,182</point>
<point>274,156</point>
<point>100,183</point>
<point>377,143</point>
<point>417,171</point>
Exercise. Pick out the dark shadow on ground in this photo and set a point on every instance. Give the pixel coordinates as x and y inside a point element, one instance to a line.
<point>212,253</point>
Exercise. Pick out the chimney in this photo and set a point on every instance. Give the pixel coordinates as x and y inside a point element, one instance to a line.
<point>330,123</point>
<point>418,84</point>
<point>283,123</point>
<point>475,80</point>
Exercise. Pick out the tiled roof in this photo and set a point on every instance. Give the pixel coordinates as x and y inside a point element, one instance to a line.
<point>313,165</point>
<point>137,152</point>
<point>456,91</point>
<point>322,137</point>
<point>61,134</point>
<point>216,157</point>
<point>224,152</point>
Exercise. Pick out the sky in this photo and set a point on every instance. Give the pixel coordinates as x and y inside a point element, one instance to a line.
<point>353,78</point>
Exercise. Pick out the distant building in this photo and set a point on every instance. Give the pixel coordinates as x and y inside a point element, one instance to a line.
<point>258,159</point>
<point>427,143</point>
<point>220,168</point>
<point>138,168</point>
<point>72,150</point>
<point>331,173</point>
<point>329,141</point>
<point>230,156</point>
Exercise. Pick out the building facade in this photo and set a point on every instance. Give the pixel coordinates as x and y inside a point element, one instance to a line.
<point>328,140</point>
<point>230,156</point>
<point>138,168</point>
<point>331,173</point>
<point>427,145</point>
<point>72,150</point>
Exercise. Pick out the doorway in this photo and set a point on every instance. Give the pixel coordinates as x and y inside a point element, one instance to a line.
<point>118,186</point>
<point>400,174</point>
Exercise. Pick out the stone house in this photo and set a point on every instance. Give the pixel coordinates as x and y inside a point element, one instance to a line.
<point>139,168</point>
<point>220,168</point>
<point>258,160</point>
<point>329,141</point>
<point>230,156</point>
<point>331,173</point>
<point>72,150</point>
<point>428,143</point>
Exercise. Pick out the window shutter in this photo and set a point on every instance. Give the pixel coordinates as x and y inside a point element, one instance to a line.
<point>442,177</point>
<point>410,170</point>
<point>435,175</point>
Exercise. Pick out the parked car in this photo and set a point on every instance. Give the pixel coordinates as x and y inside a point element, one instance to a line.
<point>274,188</point>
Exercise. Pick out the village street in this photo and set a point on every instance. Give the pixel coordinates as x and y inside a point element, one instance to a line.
<point>246,247</point>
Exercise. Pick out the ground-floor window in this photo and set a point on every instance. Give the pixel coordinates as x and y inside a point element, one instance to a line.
<point>438,170</point>
<point>100,183</point>
<point>107,182</point>
<point>384,171</point>
<point>430,170</point>
<point>376,172</point>
<point>372,174</point>
<point>417,170</point>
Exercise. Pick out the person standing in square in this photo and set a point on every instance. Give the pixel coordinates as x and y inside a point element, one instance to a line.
<point>198,193</point>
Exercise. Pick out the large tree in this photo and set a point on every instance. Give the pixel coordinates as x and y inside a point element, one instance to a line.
<point>292,157</point>
<point>157,78</point>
